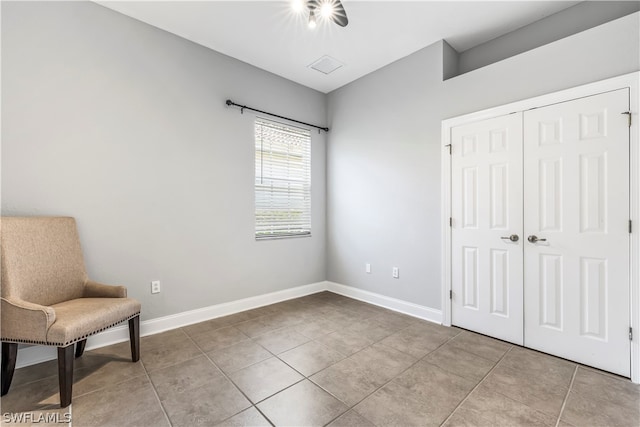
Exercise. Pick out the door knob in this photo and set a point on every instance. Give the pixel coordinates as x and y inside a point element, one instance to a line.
<point>533,239</point>
<point>513,238</point>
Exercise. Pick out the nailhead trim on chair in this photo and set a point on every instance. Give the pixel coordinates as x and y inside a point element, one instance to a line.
<point>69,342</point>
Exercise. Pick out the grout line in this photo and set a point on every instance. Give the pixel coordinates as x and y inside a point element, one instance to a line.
<point>279,391</point>
<point>519,399</point>
<point>476,387</point>
<point>252,404</point>
<point>263,416</point>
<point>403,371</point>
<point>468,351</point>
<point>176,363</point>
<point>350,407</point>
<point>566,397</point>
<point>155,392</point>
<point>101,388</point>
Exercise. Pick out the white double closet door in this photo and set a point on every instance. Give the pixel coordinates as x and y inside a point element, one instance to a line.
<point>540,229</point>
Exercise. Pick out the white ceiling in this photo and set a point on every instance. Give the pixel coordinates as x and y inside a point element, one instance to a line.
<point>269,35</point>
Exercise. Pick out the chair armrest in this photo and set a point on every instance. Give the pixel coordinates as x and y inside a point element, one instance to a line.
<point>98,290</point>
<point>26,321</point>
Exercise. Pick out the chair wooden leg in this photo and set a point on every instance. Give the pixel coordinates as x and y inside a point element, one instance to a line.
<point>80,347</point>
<point>134,337</point>
<point>9,356</point>
<point>65,374</point>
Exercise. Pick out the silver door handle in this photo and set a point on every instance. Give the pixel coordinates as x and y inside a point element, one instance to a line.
<point>533,239</point>
<point>513,238</point>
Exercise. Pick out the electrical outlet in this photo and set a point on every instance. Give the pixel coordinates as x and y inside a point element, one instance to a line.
<point>367,268</point>
<point>395,272</point>
<point>155,287</point>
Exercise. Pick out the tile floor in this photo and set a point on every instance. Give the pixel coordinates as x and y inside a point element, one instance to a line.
<point>324,360</point>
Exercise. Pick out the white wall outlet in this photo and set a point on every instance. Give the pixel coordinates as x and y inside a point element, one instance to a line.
<point>367,268</point>
<point>395,272</point>
<point>155,287</point>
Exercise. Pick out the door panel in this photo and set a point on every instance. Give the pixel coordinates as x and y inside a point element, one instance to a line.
<point>487,208</point>
<point>576,196</point>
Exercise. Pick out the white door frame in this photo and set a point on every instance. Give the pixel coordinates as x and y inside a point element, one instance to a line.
<point>631,81</point>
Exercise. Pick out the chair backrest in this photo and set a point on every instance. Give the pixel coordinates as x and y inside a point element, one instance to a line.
<point>41,259</point>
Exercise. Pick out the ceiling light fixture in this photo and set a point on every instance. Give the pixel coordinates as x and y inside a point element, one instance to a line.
<point>328,9</point>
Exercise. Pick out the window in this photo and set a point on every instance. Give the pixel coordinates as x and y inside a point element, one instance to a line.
<point>283,180</point>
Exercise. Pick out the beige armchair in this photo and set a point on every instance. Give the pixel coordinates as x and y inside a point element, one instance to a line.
<point>47,298</point>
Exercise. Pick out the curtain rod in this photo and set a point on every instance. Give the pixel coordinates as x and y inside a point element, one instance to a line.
<point>244,107</point>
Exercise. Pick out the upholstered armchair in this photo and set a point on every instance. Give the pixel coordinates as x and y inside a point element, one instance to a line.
<point>47,298</point>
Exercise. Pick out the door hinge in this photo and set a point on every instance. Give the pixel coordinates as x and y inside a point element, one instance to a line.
<point>630,227</point>
<point>449,145</point>
<point>630,333</point>
<point>450,294</point>
<point>628,113</point>
<point>450,222</point>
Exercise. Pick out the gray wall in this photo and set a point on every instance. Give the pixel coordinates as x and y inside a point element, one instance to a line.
<point>124,127</point>
<point>383,154</point>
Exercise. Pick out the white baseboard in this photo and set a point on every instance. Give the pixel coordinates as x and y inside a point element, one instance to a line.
<point>36,354</point>
<point>415,310</point>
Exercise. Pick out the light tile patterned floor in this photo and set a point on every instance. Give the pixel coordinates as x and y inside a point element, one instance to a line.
<point>324,360</point>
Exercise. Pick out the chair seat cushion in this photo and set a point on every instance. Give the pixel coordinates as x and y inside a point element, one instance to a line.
<point>76,319</point>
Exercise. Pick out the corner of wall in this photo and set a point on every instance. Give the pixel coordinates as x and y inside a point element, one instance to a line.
<point>450,61</point>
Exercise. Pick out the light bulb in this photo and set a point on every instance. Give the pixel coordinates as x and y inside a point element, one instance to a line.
<point>326,9</point>
<point>297,5</point>
<point>312,19</point>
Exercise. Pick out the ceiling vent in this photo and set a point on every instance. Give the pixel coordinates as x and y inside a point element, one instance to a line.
<point>326,65</point>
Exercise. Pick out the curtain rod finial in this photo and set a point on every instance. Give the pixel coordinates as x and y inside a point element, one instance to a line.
<point>229,102</point>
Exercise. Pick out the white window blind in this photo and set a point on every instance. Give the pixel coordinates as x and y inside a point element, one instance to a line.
<point>283,180</point>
